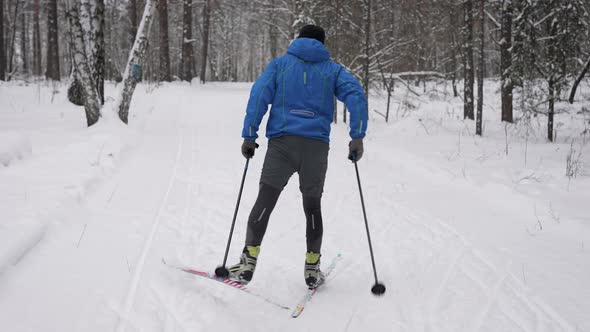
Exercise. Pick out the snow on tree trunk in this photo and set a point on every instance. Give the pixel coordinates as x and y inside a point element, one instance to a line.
<point>52,42</point>
<point>133,69</point>
<point>81,65</point>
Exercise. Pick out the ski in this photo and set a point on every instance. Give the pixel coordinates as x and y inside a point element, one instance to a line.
<point>225,281</point>
<point>311,292</point>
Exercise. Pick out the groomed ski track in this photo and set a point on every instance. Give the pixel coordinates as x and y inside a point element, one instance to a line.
<point>173,197</point>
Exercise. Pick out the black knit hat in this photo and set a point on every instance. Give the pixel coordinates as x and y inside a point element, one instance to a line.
<point>313,31</point>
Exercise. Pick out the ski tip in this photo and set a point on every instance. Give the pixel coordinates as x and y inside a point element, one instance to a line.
<point>297,312</point>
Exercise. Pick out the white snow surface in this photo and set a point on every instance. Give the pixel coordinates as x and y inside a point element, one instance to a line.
<point>466,237</point>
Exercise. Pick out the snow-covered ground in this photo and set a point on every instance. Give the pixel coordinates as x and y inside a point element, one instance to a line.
<point>467,237</point>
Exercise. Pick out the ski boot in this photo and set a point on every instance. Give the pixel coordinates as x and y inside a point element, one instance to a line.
<point>312,273</point>
<point>244,270</point>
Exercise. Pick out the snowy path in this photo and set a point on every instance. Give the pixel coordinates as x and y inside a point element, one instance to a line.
<point>173,198</point>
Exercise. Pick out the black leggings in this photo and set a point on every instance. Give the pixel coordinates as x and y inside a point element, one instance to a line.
<point>265,203</point>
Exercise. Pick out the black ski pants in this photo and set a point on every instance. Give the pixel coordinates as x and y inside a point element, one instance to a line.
<point>285,156</point>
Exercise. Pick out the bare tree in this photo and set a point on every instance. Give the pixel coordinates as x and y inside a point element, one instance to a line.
<point>133,68</point>
<point>52,72</point>
<point>12,44</point>
<point>367,46</point>
<point>506,60</point>
<point>205,51</point>
<point>480,69</point>
<point>132,12</point>
<point>2,50</point>
<point>23,43</point>
<point>36,40</point>
<point>164,73</point>
<point>468,59</point>
<point>187,57</point>
<point>82,67</point>
<point>578,80</point>
<point>99,47</point>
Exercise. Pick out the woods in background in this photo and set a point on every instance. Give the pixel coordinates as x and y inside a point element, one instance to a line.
<point>380,41</point>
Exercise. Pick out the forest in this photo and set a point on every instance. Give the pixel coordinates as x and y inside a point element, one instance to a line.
<point>521,43</point>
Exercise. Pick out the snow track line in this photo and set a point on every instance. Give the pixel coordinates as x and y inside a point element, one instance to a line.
<point>130,298</point>
<point>545,318</point>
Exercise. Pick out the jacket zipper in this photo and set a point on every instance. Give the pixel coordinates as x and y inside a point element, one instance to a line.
<point>305,78</point>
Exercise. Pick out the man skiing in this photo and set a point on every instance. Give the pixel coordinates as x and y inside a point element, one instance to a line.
<point>300,86</point>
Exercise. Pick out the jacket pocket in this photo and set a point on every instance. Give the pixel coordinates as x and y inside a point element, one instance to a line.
<point>304,122</point>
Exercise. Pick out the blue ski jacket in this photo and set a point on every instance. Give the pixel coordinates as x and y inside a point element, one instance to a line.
<point>301,86</point>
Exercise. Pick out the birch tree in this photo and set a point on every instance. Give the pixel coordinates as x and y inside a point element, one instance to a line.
<point>81,64</point>
<point>134,64</point>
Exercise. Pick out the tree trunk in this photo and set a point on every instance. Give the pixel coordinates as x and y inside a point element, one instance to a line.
<point>82,67</point>
<point>453,37</point>
<point>506,61</point>
<point>551,113</point>
<point>187,58</point>
<point>164,73</point>
<point>481,69</point>
<point>52,72</point>
<point>272,34</point>
<point>23,43</point>
<point>206,28</point>
<point>578,80</point>
<point>99,52</point>
<point>367,47</point>
<point>132,10</point>
<point>13,39</point>
<point>468,59</point>
<point>36,41</point>
<point>2,50</point>
<point>133,68</point>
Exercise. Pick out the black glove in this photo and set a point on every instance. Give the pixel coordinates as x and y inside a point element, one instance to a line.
<point>248,148</point>
<point>355,149</point>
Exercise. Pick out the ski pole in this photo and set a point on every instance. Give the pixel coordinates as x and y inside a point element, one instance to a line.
<point>222,271</point>
<point>378,288</point>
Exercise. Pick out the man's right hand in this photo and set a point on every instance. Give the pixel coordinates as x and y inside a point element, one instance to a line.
<point>355,149</point>
<point>248,148</point>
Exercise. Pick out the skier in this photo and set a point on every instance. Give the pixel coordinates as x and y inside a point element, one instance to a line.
<point>300,86</point>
